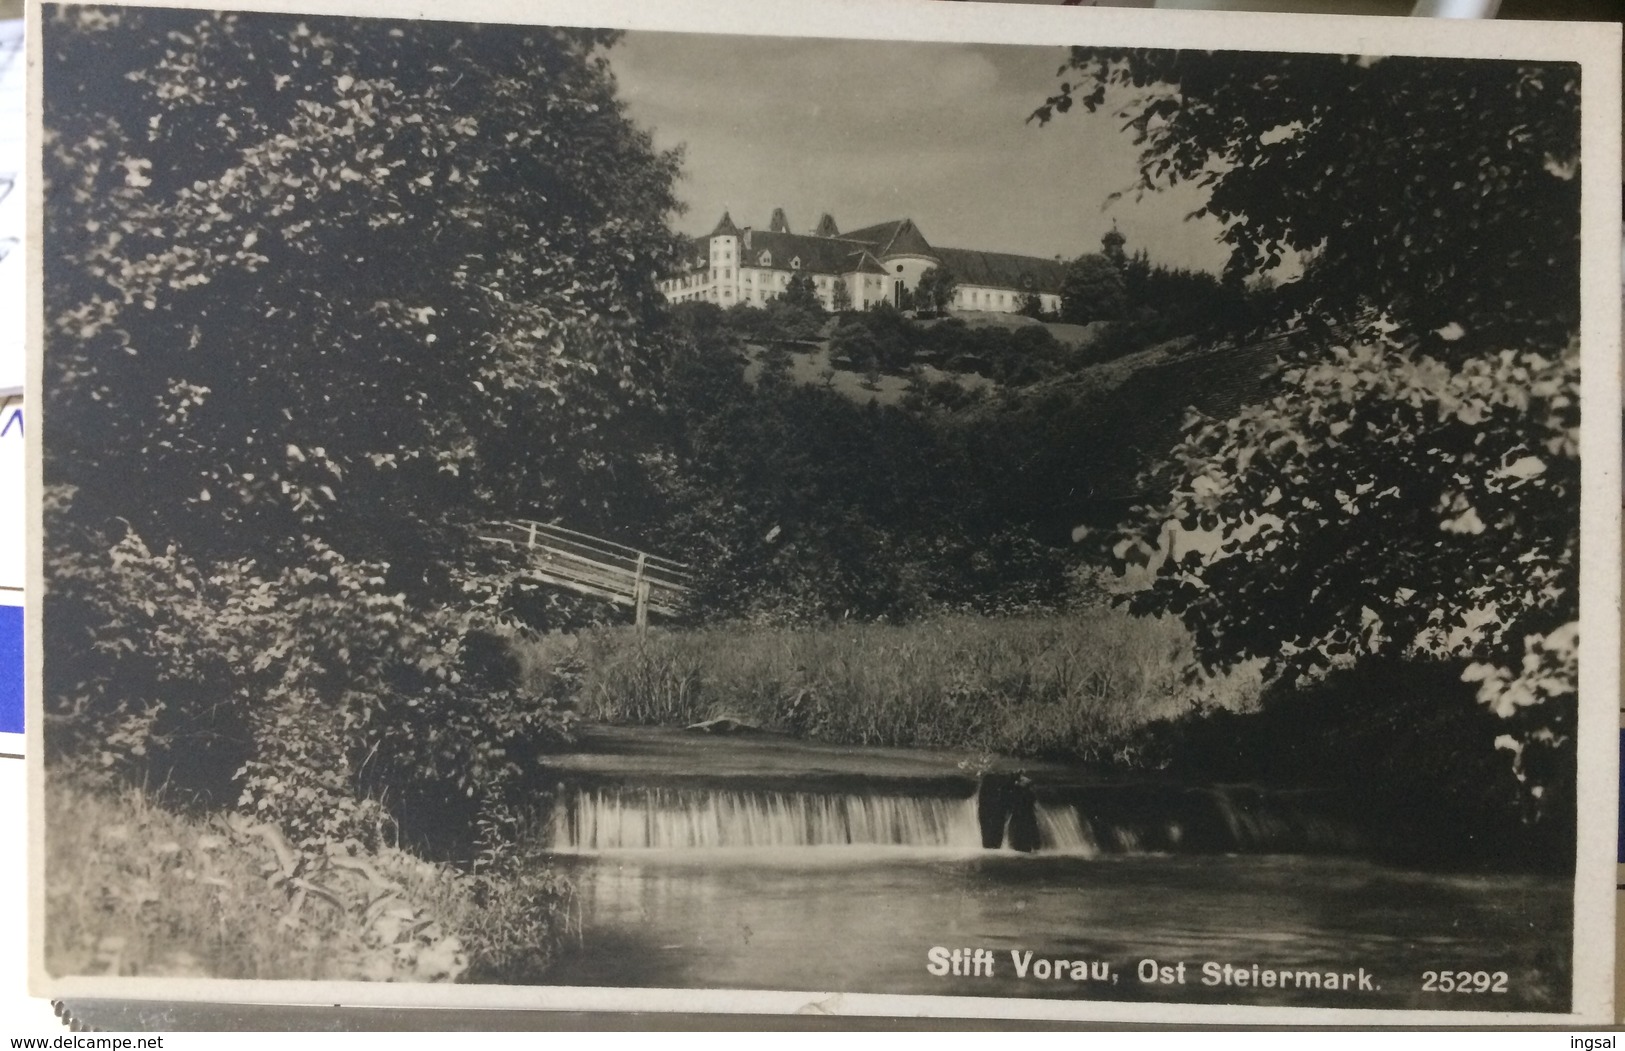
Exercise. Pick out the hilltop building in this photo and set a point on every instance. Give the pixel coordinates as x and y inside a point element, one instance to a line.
<point>877,263</point>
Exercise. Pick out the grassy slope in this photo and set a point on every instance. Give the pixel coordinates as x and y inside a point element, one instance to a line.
<point>135,889</point>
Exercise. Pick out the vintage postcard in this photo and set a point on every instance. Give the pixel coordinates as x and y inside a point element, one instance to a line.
<point>929,509</point>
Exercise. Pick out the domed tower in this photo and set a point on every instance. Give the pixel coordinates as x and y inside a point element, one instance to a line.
<point>1111,246</point>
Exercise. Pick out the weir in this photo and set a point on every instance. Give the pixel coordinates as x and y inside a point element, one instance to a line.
<point>630,818</point>
<point>760,861</point>
<point>1083,822</point>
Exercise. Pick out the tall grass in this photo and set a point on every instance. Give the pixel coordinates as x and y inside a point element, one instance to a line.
<point>1075,684</point>
<point>135,889</point>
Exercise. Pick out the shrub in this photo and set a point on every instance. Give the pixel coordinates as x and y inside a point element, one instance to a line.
<point>300,695</point>
<point>1403,740</point>
<point>134,889</point>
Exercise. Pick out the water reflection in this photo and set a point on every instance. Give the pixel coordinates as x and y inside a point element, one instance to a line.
<point>863,918</point>
<point>765,862</point>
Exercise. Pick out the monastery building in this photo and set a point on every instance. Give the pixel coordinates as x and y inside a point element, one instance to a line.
<point>876,263</point>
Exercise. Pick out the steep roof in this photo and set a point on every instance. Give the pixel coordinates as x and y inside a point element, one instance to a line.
<point>898,237</point>
<point>725,226</point>
<point>819,255</point>
<point>1022,273</point>
<point>868,264</point>
<point>861,251</point>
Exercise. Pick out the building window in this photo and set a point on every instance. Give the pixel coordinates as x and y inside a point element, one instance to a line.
<point>766,259</point>
<point>795,264</point>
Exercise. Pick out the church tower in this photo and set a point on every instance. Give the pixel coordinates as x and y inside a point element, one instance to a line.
<point>1111,246</point>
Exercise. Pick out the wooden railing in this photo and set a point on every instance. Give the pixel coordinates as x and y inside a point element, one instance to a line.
<point>594,566</point>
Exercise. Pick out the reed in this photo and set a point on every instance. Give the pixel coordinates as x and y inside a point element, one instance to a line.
<point>1075,684</point>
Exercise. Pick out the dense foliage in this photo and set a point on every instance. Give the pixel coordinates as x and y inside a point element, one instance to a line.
<point>1412,488</point>
<point>1402,178</point>
<point>1308,530</point>
<point>1093,290</point>
<point>364,301</point>
<point>935,290</point>
<point>802,505</point>
<point>137,890</point>
<point>886,340</point>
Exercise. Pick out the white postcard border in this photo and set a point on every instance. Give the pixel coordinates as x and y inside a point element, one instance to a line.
<point>1595,47</point>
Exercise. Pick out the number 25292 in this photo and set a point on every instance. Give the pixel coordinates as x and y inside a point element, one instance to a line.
<point>1464,982</point>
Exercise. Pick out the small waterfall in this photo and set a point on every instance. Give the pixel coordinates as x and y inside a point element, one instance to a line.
<point>650,818</point>
<point>1086,822</point>
<point>1185,821</point>
<point>1061,830</point>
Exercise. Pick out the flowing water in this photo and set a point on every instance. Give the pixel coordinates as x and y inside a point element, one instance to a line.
<point>767,864</point>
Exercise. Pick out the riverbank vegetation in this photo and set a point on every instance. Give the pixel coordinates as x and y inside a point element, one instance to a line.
<point>269,457</point>
<point>135,887</point>
<point>1079,685</point>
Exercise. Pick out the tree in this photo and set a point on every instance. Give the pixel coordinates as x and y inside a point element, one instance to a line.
<point>1164,302</point>
<point>1372,166</point>
<point>935,290</point>
<point>1092,290</point>
<point>1411,489</point>
<point>304,356</point>
<point>1387,503</point>
<point>778,366</point>
<point>1032,305</point>
<point>802,294</point>
<point>840,297</point>
<point>252,289</point>
<point>795,503</point>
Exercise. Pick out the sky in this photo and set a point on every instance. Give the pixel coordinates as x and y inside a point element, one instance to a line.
<point>872,131</point>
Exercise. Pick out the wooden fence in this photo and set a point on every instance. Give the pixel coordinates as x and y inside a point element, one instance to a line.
<point>594,566</point>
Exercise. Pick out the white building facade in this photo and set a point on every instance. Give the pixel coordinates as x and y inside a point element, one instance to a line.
<point>875,264</point>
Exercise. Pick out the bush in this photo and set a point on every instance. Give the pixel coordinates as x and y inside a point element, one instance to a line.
<point>302,696</point>
<point>1403,740</point>
<point>133,889</point>
<point>796,505</point>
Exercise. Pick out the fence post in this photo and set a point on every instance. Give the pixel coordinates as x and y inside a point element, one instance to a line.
<point>530,544</point>
<point>640,595</point>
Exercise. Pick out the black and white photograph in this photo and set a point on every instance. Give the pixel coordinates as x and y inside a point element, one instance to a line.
<point>933,509</point>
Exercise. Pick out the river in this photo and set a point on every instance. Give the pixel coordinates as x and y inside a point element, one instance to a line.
<point>765,863</point>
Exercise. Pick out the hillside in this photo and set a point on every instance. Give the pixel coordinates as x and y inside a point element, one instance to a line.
<point>1071,451</point>
<point>1072,335</point>
<point>1068,449</point>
